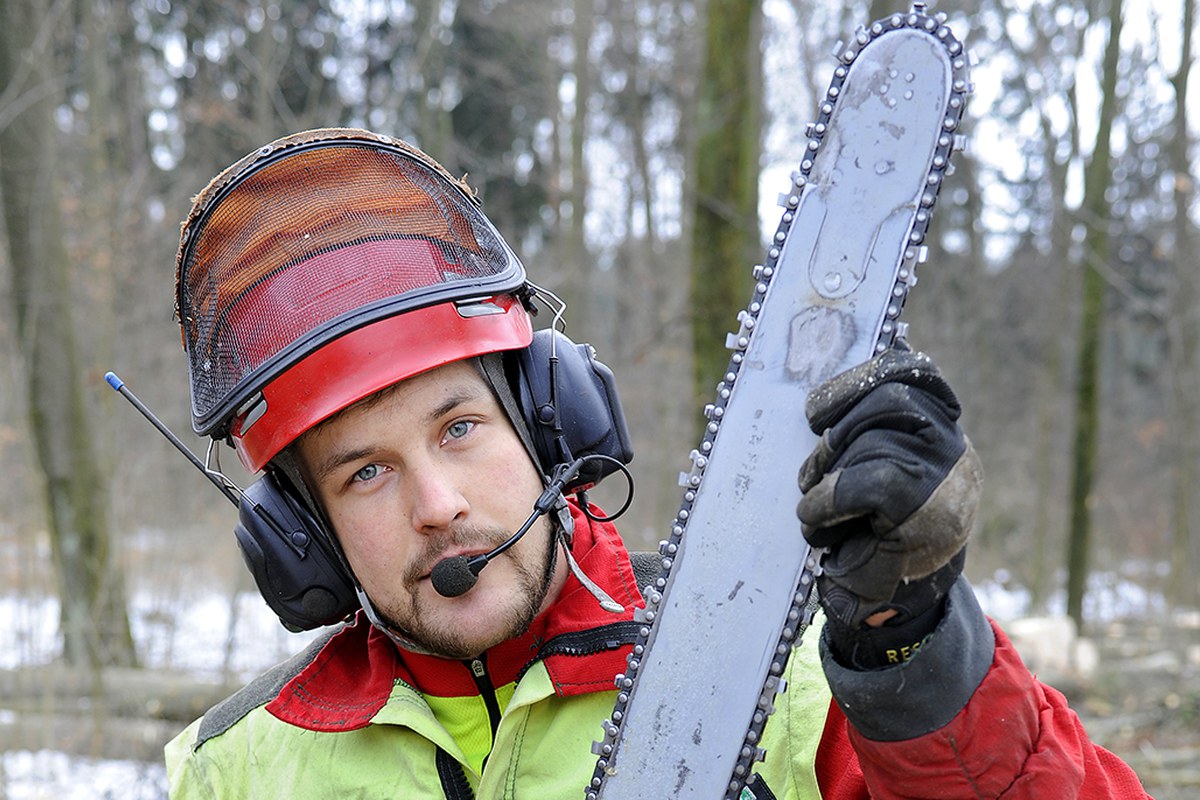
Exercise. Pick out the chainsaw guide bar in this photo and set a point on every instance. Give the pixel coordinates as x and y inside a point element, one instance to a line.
<point>735,591</point>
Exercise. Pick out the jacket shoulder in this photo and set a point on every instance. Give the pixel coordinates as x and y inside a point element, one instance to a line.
<point>646,565</point>
<point>258,692</point>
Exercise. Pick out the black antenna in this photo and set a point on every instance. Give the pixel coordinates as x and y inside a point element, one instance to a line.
<point>216,478</point>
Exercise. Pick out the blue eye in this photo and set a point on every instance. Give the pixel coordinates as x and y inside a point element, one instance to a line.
<point>369,472</point>
<point>459,429</point>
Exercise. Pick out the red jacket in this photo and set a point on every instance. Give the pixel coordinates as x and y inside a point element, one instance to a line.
<point>1015,738</point>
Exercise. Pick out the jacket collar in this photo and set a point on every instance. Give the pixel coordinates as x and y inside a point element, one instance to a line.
<point>352,677</point>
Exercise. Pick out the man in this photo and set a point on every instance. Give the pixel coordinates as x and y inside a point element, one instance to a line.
<point>357,329</point>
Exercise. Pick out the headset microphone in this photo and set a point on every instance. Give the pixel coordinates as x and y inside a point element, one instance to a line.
<point>455,576</point>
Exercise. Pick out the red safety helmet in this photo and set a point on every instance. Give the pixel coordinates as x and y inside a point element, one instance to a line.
<point>328,265</point>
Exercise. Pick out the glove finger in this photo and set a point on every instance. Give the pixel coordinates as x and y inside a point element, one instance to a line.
<point>858,500</point>
<point>818,464</point>
<point>819,517</point>
<point>888,482</point>
<point>894,407</point>
<point>830,401</point>
<point>886,416</point>
<point>940,527</point>
<point>924,539</point>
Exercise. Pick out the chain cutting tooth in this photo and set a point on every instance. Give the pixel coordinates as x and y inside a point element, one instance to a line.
<point>741,339</point>
<point>692,477</point>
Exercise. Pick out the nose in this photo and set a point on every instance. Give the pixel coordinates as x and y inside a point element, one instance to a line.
<point>436,500</point>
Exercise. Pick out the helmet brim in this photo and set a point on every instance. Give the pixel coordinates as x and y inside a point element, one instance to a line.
<point>368,359</point>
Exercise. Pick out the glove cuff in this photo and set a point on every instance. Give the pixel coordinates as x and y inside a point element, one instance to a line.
<point>923,694</point>
<point>892,643</point>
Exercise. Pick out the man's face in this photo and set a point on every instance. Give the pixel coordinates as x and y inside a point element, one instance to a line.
<point>428,470</point>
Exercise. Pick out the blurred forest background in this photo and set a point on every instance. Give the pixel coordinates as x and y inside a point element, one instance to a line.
<point>631,151</point>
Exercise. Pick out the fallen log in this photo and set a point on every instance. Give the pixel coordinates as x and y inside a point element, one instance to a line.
<point>90,736</point>
<point>116,692</point>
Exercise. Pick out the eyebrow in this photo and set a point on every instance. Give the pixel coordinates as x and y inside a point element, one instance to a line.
<point>331,462</point>
<point>458,398</point>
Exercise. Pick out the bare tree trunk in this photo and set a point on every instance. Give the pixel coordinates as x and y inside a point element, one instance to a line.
<point>725,239</point>
<point>1048,382</point>
<point>1182,334</point>
<point>93,616</point>
<point>576,259</point>
<point>1096,220</point>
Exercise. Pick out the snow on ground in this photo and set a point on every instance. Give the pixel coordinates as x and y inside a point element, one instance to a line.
<point>196,635</point>
<point>192,635</point>
<point>48,775</point>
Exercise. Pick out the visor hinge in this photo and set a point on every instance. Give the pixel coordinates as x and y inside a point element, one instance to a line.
<point>250,412</point>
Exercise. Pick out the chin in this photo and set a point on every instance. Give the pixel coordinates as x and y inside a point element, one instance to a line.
<point>477,620</point>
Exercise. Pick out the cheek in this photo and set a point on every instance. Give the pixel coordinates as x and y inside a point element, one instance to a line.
<point>517,478</point>
<point>370,547</point>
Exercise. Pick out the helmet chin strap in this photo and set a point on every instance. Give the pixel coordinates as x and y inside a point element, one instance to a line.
<point>397,637</point>
<point>565,531</point>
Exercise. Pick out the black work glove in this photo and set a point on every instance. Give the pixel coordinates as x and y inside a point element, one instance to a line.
<point>891,491</point>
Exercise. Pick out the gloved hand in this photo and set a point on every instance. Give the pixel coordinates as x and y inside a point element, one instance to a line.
<point>891,490</point>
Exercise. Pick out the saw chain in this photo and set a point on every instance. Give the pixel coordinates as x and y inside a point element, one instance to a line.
<point>735,591</point>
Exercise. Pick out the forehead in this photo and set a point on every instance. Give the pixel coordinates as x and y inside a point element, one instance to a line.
<point>424,395</point>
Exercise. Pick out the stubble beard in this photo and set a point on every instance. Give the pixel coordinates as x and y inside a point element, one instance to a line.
<point>413,618</point>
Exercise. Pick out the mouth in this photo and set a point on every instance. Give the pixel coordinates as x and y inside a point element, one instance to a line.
<point>449,556</point>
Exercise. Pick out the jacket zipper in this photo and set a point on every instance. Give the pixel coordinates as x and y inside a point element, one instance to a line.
<point>579,643</point>
<point>483,683</point>
<point>454,780</point>
<point>586,643</point>
<point>450,772</point>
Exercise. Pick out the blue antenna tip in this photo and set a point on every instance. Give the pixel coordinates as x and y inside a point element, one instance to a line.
<point>113,380</point>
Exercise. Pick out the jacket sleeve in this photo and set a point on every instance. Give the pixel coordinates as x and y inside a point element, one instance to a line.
<point>963,718</point>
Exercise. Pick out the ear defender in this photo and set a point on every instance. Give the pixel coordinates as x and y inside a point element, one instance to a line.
<point>570,405</point>
<point>289,553</point>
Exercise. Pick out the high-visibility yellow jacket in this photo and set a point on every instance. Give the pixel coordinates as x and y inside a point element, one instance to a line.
<point>354,716</point>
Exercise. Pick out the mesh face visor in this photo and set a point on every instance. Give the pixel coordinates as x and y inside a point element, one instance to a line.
<point>324,267</point>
